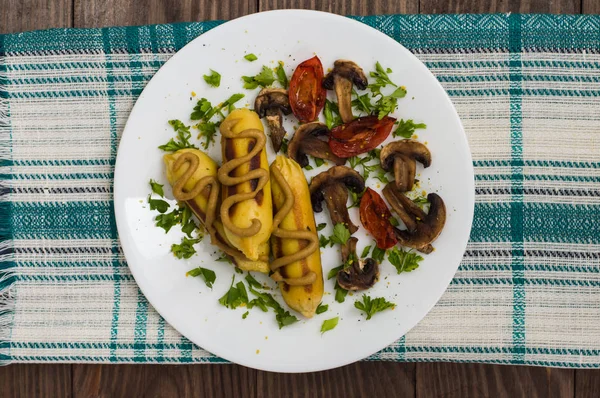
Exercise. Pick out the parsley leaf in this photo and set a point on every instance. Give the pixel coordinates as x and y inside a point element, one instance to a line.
<point>319,162</point>
<point>350,261</point>
<point>372,306</point>
<point>322,308</point>
<point>334,271</point>
<point>323,241</point>
<point>362,103</point>
<point>365,252</point>
<point>250,57</point>
<point>340,294</point>
<point>214,79</point>
<point>281,76</point>
<point>404,261</point>
<point>321,227</point>
<point>185,249</point>
<point>158,204</point>
<point>407,128</point>
<point>245,314</point>
<point>208,275</point>
<point>235,296</point>
<point>258,302</point>
<point>340,234</point>
<point>284,145</point>
<point>265,78</point>
<point>157,188</point>
<point>387,104</point>
<point>253,282</point>
<point>208,131</point>
<point>378,254</point>
<point>332,114</point>
<point>168,220</point>
<point>182,139</point>
<point>283,318</point>
<point>203,107</point>
<point>381,79</point>
<point>329,324</point>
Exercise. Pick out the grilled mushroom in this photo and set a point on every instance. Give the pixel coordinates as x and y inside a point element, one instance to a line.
<point>402,157</point>
<point>332,186</point>
<point>359,274</point>
<point>273,103</point>
<point>340,79</point>
<point>307,141</point>
<point>422,228</point>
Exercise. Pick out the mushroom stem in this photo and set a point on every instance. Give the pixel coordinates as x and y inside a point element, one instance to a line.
<point>276,130</point>
<point>343,92</point>
<point>336,198</point>
<point>407,219</point>
<point>357,274</point>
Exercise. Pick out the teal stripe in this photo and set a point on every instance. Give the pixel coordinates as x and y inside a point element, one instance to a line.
<point>536,163</point>
<point>160,339</point>
<point>516,211</point>
<point>113,277</point>
<point>530,281</point>
<point>63,162</point>
<point>537,177</point>
<point>139,332</point>
<point>62,66</point>
<point>185,355</point>
<point>61,176</point>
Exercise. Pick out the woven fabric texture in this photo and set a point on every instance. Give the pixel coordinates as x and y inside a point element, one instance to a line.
<point>527,88</point>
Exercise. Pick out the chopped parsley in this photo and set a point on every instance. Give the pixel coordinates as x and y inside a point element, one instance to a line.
<point>362,103</point>
<point>340,234</point>
<point>407,128</point>
<point>157,188</point>
<point>181,141</point>
<point>340,293</point>
<point>381,79</point>
<point>322,308</point>
<point>350,261</point>
<point>185,249</point>
<point>208,275</point>
<point>253,282</point>
<point>332,114</point>
<point>235,296</point>
<point>308,167</point>
<point>329,324</point>
<point>181,215</point>
<point>385,104</point>
<point>372,306</point>
<point>404,261</point>
<point>250,57</point>
<point>245,314</point>
<point>321,226</point>
<point>367,167</point>
<point>204,112</point>
<point>378,254</point>
<point>283,317</point>
<point>421,201</point>
<point>334,271</point>
<point>158,204</point>
<point>323,241</point>
<point>281,76</point>
<point>319,162</point>
<point>265,78</point>
<point>365,252</point>
<point>214,79</point>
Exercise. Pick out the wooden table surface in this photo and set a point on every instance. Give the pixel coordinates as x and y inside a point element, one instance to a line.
<point>361,379</point>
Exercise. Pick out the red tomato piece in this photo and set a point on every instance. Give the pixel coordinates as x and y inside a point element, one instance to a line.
<point>360,135</point>
<point>306,93</point>
<point>375,217</point>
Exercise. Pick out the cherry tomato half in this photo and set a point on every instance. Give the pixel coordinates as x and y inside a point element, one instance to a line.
<point>360,135</point>
<point>307,95</point>
<point>375,217</point>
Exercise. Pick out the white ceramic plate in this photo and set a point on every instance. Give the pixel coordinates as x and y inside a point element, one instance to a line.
<point>186,303</point>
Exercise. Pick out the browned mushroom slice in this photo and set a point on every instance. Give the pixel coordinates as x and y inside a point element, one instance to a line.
<point>422,228</point>
<point>340,79</point>
<point>401,156</point>
<point>307,141</point>
<point>273,103</point>
<point>332,186</point>
<point>357,274</point>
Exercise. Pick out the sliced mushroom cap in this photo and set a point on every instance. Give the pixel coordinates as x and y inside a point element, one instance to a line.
<point>273,103</point>
<point>401,156</point>
<point>344,74</point>
<point>361,274</point>
<point>422,228</point>
<point>307,141</point>
<point>332,186</point>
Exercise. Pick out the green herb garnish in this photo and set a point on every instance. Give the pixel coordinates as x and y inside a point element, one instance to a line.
<point>214,79</point>
<point>407,128</point>
<point>208,275</point>
<point>329,324</point>
<point>250,57</point>
<point>253,282</point>
<point>340,234</point>
<point>245,314</point>
<point>319,162</point>
<point>378,254</point>
<point>321,227</point>
<point>332,114</point>
<point>182,139</point>
<point>362,103</point>
<point>185,249</point>
<point>281,76</point>
<point>265,78</point>
<point>284,145</point>
<point>322,308</point>
<point>235,296</point>
<point>158,204</point>
<point>404,261</point>
<point>340,294</point>
<point>283,317</point>
<point>365,252</point>
<point>157,188</point>
<point>334,271</point>
<point>372,306</point>
<point>323,241</point>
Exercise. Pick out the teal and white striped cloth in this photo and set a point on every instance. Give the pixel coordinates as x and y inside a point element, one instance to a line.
<point>527,88</point>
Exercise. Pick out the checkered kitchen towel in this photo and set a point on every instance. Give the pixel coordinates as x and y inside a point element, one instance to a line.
<point>527,88</point>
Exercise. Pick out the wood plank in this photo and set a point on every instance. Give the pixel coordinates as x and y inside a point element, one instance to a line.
<point>490,6</point>
<point>33,380</point>
<point>98,13</point>
<point>347,7</point>
<point>481,380</point>
<point>363,379</point>
<point>23,15</point>
<point>591,7</point>
<point>587,383</point>
<point>163,381</point>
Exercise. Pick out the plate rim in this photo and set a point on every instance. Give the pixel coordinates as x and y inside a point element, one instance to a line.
<point>119,217</point>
